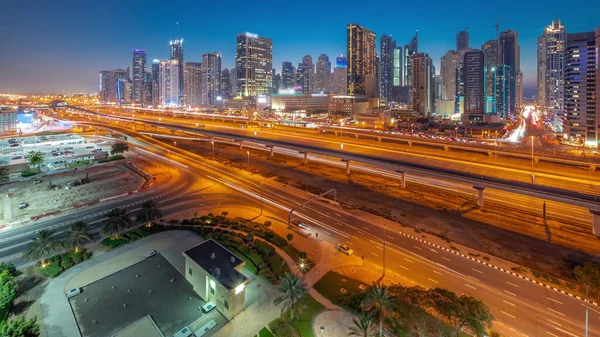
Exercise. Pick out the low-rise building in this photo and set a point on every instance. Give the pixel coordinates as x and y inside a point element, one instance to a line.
<point>215,274</point>
<point>8,120</point>
<point>294,102</point>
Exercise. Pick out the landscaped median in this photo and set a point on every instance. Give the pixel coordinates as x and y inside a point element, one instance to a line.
<point>56,264</point>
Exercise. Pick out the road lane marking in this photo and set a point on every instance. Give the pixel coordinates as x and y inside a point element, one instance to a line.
<point>553,322</point>
<point>390,237</point>
<point>437,272</point>
<point>507,302</point>
<point>596,311</point>
<point>432,280</point>
<point>508,292</point>
<point>553,300</point>
<point>374,254</point>
<point>401,266</point>
<point>560,313</point>
<point>361,232</point>
<point>476,279</point>
<point>445,258</point>
<point>419,248</point>
<point>551,334</point>
<point>355,237</point>
<point>512,284</point>
<point>479,271</point>
<point>470,286</point>
<point>348,242</point>
<point>563,331</point>
<point>507,314</point>
<point>408,260</point>
<point>365,227</point>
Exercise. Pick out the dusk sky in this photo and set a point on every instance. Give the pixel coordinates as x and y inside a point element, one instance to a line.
<point>59,46</point>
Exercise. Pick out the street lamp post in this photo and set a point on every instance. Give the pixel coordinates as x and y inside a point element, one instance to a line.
<point>322,328</point>
<point>261,198</point>
<point>248,153</point>
<point>212,142</point>
<point>532,161</point>
<point>383,251</point>
<point>587,287</point>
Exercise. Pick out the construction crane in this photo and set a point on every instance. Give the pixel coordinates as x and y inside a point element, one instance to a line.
<point>497,26</point>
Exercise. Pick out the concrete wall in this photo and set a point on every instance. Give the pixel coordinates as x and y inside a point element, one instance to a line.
<point>197,279</point>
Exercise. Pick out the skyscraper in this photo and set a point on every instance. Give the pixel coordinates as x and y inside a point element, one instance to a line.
<point>147,99</point>
<point>509,55</point>
<point>303,77</point>
<point>113,85</point>
<point>138,72</point>
<point>388,46</point>
<point>155,82</point>
<point>474,85</point>
<point>462,40</point>
<point>580,99</point>
<point>211,78</point>
<point>308,62</point>
<point>169,83</point>
<point>421,83</point>
<point>176,47</point>
<point>192,84</point>
<point>490,54</point>
<point>448,72</point>
<point>225,83</point>
<point>551,62</point>
<point>362,58</point>
<point>254,64</point>
<point>276,82</point>
<point>409,49</point>
<point>340,76</point>
<point>288,76</point>
<point>323,73</point>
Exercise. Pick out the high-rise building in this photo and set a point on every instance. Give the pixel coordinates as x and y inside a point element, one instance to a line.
<point>397,66</point>
<point>211,78</point>
<point>323,73</point>
<point>138,72</point>
<point>147,99</point>
<point>509,55</point>
<point>233,81</point>
<point>388,46</point>
<point>225,83</point>
<point>502,90</point>
<point>362,59</point>
<point>308,62</point>
<point>303,77</point>
<point>597,96</point>
<point>288,76</point>
<point>422,94</point>
<point>410,49</point>
<point>254,64</point>
<point>474,85</point>
<point>169,83</point>
<point>462,40</point>
<point>580,87</point>
<point>276,82</point>
<point>192,84</point>
<point>156,82</point>
<point>176,47</point>
<point>340,76</point>
<point>551,62</point>
<point>490,54</point>
<point>448,72</point>
<point>113,85</point>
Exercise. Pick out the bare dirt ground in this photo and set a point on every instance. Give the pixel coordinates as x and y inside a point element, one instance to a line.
<point>509,234</point>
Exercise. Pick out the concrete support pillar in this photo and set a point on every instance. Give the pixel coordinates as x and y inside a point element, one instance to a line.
<point>272,151</point>
<point>536,160</point>
<point>402,178</point>
<point>446,148</point>
<point>593,167</point>
<point>241,145</point>
<point>596,222</point>
<point>356,135</point>
<point>490,154</point>
<point>410,143</point>
<point>347,166</point>
<point>379,139</point>
<point>479,190</point>
<point>305,157</point>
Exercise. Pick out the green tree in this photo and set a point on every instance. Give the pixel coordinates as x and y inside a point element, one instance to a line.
<point>8,289</point>
<point>150,211</point>
<point>379,303</point>
<point>363,326</point>
<point>589,273</point>
<point>20,328</point>
<point>119,148</point>
<point>35,159</point>
<point>463,311</point>
<point>78,233</point>
<point>3,170</point>
<point>292,289</point>
<point>117,222</point>
<point>45,244</point>
<point>12,269</point>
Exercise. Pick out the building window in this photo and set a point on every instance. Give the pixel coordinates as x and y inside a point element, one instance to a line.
<point>212,291</point>
<point>190,271</point>
<point>226,305</point>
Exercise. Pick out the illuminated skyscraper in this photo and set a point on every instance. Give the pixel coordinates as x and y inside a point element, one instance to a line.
<point>211,78</point>
<point>490,52</point>
<point>362,60</point>
<point>254,64</point>
<point>388,46</point>
<point>308,62</point>
<point>340,76</point>
<point>474,85</point>
<point>422,90</point>
<point>448,73</point>
<point>113,85</point>
<point>409,49</point>
<point>226,83</point>
<point>323,73</point>
<point>192,84</point>
<point>462,40</point>
<point>303,77</point>
<point>169,83</point>
<point>176,47</point>
<point>288,76</point>
<point>155,82</point>
<point>138,72</point>
<point>509,55</point>
<point>551,62</point>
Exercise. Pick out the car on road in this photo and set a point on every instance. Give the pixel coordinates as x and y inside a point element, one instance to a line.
<point>12,141</point>
<point>37,181</point>
<point>23,204</point>
<point>344,249</point>
<point>89,147</point>
<point>299,224</point>
<point>97,151</point>
<point>14,145</point>
<point>17,157</point>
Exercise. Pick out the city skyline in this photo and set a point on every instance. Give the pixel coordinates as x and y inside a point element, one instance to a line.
<point>71,64</point>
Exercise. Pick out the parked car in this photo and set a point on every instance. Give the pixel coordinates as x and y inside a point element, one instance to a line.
<point>37,181</point>
<point>345,249</point>
<point>89,147</point>
<point>14,145</point>
<point>12,141</point>
<point>17,157</point>
<point>23,204</point>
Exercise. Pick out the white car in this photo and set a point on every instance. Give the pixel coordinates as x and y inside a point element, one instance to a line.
<point>23,204</point>
<point>344,249</point>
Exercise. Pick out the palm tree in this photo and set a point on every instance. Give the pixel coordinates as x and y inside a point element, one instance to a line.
<point>119,148</point>
<point>149,211</point>
<point>363,326</point>
<point>35,159</point>
<point>77,234</point>
<point>292,289</point>
<point>117,222</point>
<point>44,245</point>
<point>379,303</point>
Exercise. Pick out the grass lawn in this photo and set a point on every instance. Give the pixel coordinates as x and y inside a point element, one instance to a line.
<point>79,164</point>
<point>264,332</point>
<point>249,265</point>
<point>330,285</point>
<point>305,312</point>
<point>52,269</point>
<point>278,265</point>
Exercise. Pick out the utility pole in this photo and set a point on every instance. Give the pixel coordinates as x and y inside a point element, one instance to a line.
<point>383,252</point>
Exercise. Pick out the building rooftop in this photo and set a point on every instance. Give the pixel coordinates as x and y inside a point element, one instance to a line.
<point>219,262</point>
